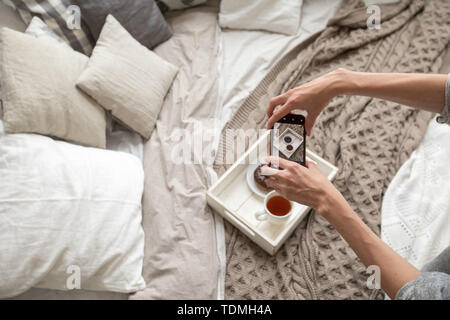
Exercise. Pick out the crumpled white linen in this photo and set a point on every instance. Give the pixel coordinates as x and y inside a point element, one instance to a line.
<point>415,219</point>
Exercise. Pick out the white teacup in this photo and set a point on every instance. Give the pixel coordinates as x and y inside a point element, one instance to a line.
<point>269,216</point>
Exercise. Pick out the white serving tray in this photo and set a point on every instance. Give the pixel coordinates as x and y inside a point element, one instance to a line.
<point>231,197</point>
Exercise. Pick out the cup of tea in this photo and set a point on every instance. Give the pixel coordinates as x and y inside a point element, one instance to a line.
<point>277,209</point>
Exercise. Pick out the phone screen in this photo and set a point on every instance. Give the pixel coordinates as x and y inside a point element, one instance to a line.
<point>288,138</point>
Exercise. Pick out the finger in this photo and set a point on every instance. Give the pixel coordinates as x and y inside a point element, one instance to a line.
<point>274,102</point>
<point>269,171</point>
<point>277,115</point>
<point>309,123</point>
<point>280,191</point>
<point>271,182</point>
<point>276,185</point>
<point>280,162</point>
<point>312,166</point>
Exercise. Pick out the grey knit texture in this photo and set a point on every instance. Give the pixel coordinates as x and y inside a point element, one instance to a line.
<point>432,284</point>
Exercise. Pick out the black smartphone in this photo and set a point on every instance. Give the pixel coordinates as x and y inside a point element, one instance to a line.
<point>288,139</point>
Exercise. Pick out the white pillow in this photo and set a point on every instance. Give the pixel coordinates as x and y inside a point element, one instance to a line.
<point>127,78</point>
<point>280,16</point>
<point>64,206</point>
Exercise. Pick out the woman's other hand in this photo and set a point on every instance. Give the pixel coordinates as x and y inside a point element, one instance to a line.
<point>305,185</point>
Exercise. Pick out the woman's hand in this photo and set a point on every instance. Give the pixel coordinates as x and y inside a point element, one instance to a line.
<point>305,185</point>
<point>310,187</point>
<point>312,97</point>
<point>423,91</point>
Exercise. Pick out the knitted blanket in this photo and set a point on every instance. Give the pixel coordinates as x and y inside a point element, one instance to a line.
<point>367,139</point>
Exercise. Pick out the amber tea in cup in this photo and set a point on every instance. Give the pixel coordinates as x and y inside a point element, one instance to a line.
<point>278,206</point>
<point>277,209</point>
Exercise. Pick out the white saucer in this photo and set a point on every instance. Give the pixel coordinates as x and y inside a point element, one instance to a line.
<point>251,181</point>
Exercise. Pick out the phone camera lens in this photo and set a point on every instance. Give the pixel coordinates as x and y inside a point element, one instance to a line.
<point>289,147</point>
<point>287,139</point>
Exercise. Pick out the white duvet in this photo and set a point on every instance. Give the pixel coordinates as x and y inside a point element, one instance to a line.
<point>247,56</point>
<point>416,206</point>
<point>64,207</point>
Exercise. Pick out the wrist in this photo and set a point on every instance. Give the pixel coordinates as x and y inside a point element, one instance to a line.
<point>343,81</point>
<point>333,206</point>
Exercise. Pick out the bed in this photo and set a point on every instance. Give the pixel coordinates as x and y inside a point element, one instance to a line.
<point>187,253</point>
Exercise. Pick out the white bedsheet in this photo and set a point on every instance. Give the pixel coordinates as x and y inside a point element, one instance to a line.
<point>415,217</point>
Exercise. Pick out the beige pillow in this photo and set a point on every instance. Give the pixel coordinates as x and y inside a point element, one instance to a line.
<point>127,78</point>
<point>39,92</point>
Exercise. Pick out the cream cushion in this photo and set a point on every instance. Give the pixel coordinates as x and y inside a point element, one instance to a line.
<point>127,78</point>
<point>39,92</point>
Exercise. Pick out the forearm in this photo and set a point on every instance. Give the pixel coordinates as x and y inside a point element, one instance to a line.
<point>422,91</point>
<point>395,271</point>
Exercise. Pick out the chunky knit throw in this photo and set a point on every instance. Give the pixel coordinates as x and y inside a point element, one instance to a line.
<point>367,139</point>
